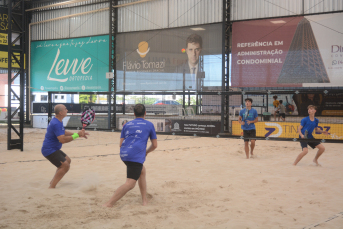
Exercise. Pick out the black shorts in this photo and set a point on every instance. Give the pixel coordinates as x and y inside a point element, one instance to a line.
<point>312,144</point>
<point>283,115</point>
<point>249,135</point>
<point>134,169</point>
<point>57,157</point>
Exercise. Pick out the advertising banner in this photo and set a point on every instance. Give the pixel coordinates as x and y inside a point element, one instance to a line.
<point>288,52</point>
<point>289,130</point>
<point>44,107</point>
<point>158,123</point>
<point>170,59</point>
<point>180,126</point>
<point>193,126</point>
<point>76,108</point>
<point>76,65</point>
<point>4,38</point>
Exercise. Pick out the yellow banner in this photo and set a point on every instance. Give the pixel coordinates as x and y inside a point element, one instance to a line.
<point>3,39</point>
<point>289,130</point>
<point>4,60</point>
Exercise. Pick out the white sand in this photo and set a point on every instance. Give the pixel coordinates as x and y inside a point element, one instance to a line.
<point>193,182</point>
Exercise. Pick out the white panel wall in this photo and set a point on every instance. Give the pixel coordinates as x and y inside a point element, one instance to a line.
<point>320,6</point>
<point>250,9</point>
<point>157,14</point>
<point>83,25</point>
<point>144,16</point>
<point>161,14</point>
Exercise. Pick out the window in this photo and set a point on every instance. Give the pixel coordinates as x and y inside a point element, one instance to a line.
<point>62,96</point>
<point>56,96</point>
<point>43,98</point>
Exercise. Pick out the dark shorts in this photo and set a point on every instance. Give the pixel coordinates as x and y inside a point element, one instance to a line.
<point>283,115</point>
<point>134,169</point>
<point>57,157</point>
<point>312,144</point>
<point>249,135</point>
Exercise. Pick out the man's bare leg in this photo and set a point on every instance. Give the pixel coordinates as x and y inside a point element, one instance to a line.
<point>321,150</point>
<point>120,192</point>
<point>252,146</point>
<point>301,155</point>
<point>246,147</point>
<point>69,161</point>
<point>61,171</point>
<point>142,186</point>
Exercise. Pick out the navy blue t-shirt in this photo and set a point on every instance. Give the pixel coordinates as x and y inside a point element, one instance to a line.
<point>248,115</point>
<point>308,125</point>
<point>136,134</point>
<point>51,143</point>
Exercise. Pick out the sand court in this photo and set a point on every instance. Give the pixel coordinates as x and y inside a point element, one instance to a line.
<point>193,182</point>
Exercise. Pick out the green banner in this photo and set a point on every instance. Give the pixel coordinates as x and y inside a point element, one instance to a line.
<point>77,65</point>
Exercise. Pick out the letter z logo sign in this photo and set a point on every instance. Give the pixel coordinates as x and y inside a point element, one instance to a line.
<point>271,130</point>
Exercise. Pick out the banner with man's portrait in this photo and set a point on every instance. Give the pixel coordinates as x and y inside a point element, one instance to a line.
<point>170,59</point>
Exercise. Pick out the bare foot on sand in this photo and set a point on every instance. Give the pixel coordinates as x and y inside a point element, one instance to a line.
<point>107,205</point>
<point>315,164</point>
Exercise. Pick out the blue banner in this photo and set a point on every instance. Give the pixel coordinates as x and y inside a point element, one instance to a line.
<point>75,65</point>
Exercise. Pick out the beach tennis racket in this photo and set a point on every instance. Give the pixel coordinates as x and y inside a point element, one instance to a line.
<point>87,117</point>
<point>246,115</point>
<point>306,134</point>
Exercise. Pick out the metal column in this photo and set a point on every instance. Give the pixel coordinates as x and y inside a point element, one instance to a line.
<point>16,57</point>
<point>113,12</point>
<point>225,66</point>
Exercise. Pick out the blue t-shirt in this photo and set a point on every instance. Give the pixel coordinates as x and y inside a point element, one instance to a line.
<point>136,134</point>
<point>51,143</point>
<point>308,125</point>
<point>248,115</point>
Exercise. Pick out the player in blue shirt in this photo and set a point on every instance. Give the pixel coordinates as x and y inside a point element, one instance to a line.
<point>133,142</point>
<point>247,117</point>
<point>305,130</point>
<point>55,136</point>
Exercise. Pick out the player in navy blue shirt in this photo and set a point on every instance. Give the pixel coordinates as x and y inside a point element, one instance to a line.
<point>133,142</point>
<point>247,117</point>
<point>305,130</point>
<point>55,136</point>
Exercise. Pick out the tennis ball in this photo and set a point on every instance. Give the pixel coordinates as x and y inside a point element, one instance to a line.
<point>183,50</point>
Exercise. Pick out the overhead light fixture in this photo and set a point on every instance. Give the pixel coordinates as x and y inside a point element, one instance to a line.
<point>197,29</point>
<point>278,22</point>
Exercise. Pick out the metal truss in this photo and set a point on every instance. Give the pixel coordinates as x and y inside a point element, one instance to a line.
<point>113,59</point>
<point>227,27</point>
<point>16,25</point>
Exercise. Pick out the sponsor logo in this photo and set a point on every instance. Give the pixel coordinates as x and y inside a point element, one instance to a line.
<point>271,130</point>
<point>176,127</point>
<point>139,131</point>
<point>143,49</point>
<point>336,48</point>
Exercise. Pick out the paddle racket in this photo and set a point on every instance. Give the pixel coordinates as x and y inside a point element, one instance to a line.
<point>87,117</point>
<point>246,115</point>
